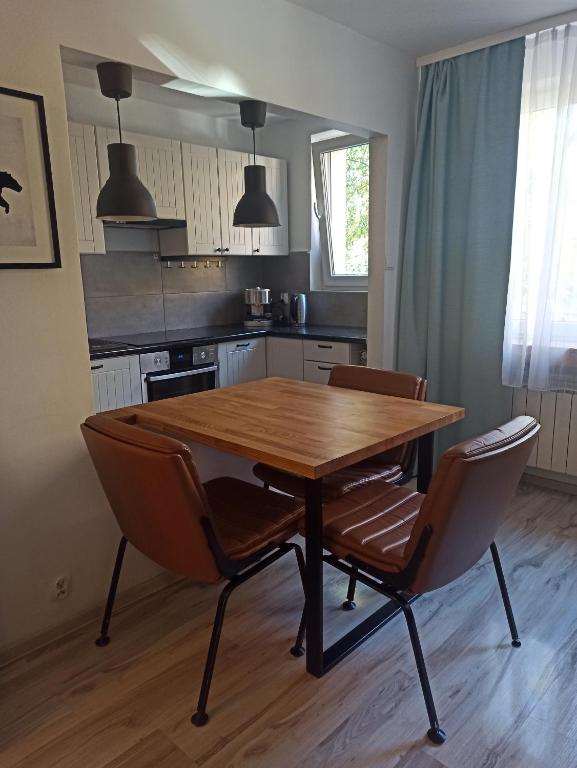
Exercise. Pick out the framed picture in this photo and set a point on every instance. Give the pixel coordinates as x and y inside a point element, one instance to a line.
<point>28,231</point>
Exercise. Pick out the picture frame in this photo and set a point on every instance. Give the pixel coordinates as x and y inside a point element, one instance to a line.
<point>28,226</point>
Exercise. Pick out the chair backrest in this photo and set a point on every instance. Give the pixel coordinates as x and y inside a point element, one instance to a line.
<point>393,383</point>
<point>467,500</point>
<point>155,493</point>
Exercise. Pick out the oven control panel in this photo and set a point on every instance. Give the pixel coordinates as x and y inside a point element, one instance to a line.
<point>154,361</point>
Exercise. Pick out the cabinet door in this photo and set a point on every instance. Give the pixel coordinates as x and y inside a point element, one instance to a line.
<point>200,176</point>
<point>317,373</point>
<point>235,240</point>
<point>86,183</point>
<point>273,241</point>
<point>159,168</point>
<point>116,382</point>
<point>284,357</point>
<point>246,361</point>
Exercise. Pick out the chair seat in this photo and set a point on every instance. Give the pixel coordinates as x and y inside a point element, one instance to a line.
<point>335,484</point>
<point>248,517</point>
<point>372,524</point>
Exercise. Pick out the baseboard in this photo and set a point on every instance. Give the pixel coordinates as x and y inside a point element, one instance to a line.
<point>55,635</point>
<point>551,480</point>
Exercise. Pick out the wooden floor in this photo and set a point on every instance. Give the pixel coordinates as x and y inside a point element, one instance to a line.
<point>128,705</point>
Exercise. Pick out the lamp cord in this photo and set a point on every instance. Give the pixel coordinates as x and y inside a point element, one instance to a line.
<point>118,115</point>
<point>253,146</point>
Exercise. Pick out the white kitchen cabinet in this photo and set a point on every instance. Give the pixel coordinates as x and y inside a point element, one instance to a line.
<point>202,234</point>
<point>273,241</point>
<point>235,240</point>
<point>86,184</point>
<point>159,164</point>
<point>320,357</point>
<point>245,361</point>
<point>116,382</point>
<point>317,373</point>
<point>284,357</point>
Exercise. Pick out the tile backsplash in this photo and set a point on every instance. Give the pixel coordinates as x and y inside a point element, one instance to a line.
<point>133,292</point>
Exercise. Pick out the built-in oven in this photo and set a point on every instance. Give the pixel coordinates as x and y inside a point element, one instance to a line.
<point>180,371</point>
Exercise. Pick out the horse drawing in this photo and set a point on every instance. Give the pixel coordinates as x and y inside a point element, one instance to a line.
<point>7,181</point>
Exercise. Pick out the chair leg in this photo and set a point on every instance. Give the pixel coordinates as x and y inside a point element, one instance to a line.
<point>515,642</point>
<point>349,604</point>
<point>298,649</point>
<point>266,486</point>
<point>435,732</point>
<point>200,717</point>
<point>103,639</point>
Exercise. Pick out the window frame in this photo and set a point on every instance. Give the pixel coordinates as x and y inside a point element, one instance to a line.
<point>355,282</point>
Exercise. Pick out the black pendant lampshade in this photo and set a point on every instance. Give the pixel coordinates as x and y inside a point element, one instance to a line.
<point>124,197</point>
<point>255,208</point>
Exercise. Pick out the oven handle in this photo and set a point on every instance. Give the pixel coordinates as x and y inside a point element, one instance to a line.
<point>181,374</point>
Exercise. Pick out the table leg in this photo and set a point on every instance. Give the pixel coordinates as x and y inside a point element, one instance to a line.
<point>426,449</point>
<point>314,576</point>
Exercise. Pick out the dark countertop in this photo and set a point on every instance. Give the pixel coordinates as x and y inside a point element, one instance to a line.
<point>214,334</point>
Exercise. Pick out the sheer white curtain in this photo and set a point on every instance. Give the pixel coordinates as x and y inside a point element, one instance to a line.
<point>540,340</point>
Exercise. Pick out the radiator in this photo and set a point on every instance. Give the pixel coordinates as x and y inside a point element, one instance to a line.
<point>556,448</point>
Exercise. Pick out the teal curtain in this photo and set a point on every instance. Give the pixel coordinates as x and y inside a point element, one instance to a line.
<point>458,234</point>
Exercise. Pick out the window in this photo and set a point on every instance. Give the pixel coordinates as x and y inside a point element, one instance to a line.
<point>540,342</point>
<point>341,181</point>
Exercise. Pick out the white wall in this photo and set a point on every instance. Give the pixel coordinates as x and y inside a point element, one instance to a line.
<point>53,516</point>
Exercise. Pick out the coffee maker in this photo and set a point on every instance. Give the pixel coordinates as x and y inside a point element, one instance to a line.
<point>258,310</point>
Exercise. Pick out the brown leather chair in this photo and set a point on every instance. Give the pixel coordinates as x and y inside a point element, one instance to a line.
<point>225,528</point>
<point>394,466</point>
<point>403,543</point>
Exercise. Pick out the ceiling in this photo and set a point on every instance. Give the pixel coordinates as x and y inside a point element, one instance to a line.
<point>425,26</point>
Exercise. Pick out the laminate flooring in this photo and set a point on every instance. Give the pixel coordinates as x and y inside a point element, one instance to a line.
<point>128,705</point>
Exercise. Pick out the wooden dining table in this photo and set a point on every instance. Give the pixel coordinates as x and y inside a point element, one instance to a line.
<point>310,430</point>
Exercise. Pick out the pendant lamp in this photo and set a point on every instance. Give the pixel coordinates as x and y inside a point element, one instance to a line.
<point>255,208</point>
<point>124,197</point>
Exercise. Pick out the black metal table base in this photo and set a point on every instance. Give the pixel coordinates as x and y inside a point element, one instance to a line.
<point>349,642</point>
<point>319,659</point>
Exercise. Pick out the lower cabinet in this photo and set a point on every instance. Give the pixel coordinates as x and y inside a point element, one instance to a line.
<point>322,356</point>
<point>116,382</point>
<point>284,358</point>
<point>317,373</point>
<point>242,361</point>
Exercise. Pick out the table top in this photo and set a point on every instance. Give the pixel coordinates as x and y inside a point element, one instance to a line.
<point>307,429</point>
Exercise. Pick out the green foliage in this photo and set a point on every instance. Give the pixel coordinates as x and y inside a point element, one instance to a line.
<point>357,225</point>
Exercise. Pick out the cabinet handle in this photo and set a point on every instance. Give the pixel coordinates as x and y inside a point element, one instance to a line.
<point>323,368</point>
<point>218,250</point>
<point>96,367</point>
<point>247,344</point>
<point>325,346</point>
<point>225,250</point>
<point>256,250</point>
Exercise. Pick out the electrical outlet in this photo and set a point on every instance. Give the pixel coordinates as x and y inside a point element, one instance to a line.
<point>61,587</point>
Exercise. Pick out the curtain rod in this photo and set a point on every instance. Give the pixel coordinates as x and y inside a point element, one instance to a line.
<point>499,37</point>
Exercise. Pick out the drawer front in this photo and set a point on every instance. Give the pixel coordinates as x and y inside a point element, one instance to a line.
<point>327,351</point>
<point>317,373</point>
<point>244,345</point>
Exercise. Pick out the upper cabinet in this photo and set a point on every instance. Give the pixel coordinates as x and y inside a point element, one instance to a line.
<point>86,185</point>
<point>200,174</point>
<point>273,241</point>
<point>201,185</point>
<point>235,240</point>
<point>159,168</point>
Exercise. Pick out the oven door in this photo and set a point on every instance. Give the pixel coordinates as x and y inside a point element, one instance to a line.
<point>165,384</point>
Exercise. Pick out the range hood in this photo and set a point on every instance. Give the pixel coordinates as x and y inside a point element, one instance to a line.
<point>157,224</point>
